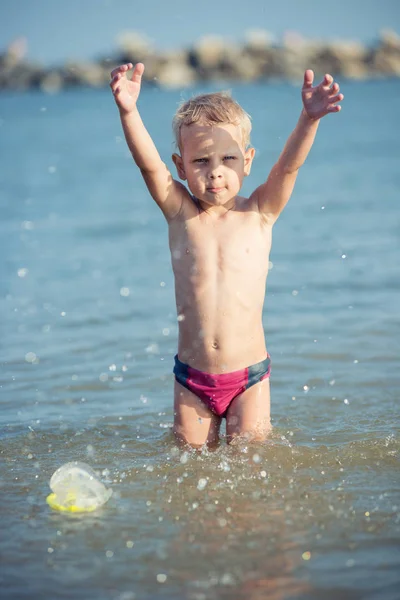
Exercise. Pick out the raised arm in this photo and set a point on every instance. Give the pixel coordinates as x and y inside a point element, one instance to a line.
<point>318,101</point>
<point>167,192</point>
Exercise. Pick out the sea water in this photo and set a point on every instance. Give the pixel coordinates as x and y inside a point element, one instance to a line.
<point>88,334</point>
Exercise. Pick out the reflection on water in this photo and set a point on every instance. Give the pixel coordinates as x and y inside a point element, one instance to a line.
<point>88,336</point>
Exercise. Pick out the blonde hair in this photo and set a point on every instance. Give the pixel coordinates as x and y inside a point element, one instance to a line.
<point>212,109</point>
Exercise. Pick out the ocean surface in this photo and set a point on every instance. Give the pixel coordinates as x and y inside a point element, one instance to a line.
<point>88,331</point>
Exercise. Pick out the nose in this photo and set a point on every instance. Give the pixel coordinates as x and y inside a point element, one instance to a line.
<point>214,172</point>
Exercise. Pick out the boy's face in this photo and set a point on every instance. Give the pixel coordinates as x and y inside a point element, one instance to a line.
<point>214,161</point>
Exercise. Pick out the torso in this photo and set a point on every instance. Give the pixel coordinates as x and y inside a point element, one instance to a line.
<point>220,267</point>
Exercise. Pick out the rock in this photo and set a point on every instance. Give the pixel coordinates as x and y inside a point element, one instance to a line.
<point>341,58</point>
<point>87,74</point>
<point>52,82</point>
<point>258,40</point>
<point>211,58</point>
<point>174,71</point>
<point>134,47</point>
<point>385,58</point>
<point>214,58</point>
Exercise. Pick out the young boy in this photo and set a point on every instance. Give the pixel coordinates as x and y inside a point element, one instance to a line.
<point>220,244</point>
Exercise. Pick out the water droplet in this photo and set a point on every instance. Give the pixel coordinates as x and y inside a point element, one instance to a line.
<point>90,450</point>
<point>184,458</point>
<point>153,349</point>
<point>23,272</point>
<point>161,578</point>
<point>124,292</point>
<point>201,484</point>
<point>227,579</point>
<point>28,225</point>
<point>30,357</point>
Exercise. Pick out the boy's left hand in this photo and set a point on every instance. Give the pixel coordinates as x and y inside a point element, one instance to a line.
<point>322,99</point>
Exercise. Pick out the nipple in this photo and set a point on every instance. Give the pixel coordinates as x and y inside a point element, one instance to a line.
<point>77,488</point>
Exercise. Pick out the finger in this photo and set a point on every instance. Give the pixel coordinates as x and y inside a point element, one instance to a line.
<point>335,88</point>
<point>115,82</point>
<point>308,78</point>
<point>121,69</point>
<point>327,82</point>
<point>333,108</point>
<point>138,72</point>
<point>337,98</point>
<point>116,78</point>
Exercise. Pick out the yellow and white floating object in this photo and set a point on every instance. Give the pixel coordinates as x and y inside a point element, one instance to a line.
<point>76,488</point>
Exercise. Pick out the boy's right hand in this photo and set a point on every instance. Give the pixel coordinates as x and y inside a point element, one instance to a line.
<point>126,91</point>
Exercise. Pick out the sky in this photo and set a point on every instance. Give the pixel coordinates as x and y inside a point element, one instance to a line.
<point>60,30</point>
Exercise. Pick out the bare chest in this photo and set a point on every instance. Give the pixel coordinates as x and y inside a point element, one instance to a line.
<point>203,246</point>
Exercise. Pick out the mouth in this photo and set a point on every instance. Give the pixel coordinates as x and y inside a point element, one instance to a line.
<point>215,190</point>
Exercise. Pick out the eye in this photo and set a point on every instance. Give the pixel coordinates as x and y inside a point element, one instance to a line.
<point>201,160</point>
<point>229,157</point>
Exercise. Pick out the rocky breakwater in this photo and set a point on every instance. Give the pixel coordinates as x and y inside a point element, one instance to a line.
<point>210,58</point>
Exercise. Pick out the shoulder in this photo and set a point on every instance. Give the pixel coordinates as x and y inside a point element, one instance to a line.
<point>260,206</point>
<point>189,205</point>
<point>251,207</point>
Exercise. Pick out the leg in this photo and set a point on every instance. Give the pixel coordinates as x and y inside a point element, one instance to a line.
<point>194,423</point>
<point>249,413</point>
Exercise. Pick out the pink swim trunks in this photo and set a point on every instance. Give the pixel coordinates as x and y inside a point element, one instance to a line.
<point>217,391</point>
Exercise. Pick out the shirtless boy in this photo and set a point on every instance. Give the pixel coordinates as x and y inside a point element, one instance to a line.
<point>220,244</point>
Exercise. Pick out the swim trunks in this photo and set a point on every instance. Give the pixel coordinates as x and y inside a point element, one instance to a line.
<point>217,391</point>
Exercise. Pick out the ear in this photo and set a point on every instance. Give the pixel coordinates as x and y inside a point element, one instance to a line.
<point>179,166</point>
<point>248,160</point>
